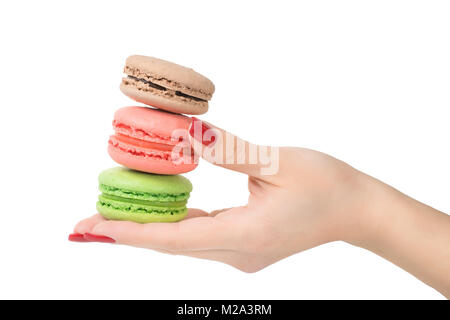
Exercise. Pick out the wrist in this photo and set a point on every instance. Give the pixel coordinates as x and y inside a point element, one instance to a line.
<point>404,231</point>
<point>373,202</point>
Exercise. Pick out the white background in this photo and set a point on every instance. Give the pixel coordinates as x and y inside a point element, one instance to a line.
<point>365,81</point>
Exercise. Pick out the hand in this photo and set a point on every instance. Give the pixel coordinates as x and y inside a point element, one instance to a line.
<point>310,201</point>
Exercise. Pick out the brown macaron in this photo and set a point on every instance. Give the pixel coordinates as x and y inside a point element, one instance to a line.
<point>166,85</point>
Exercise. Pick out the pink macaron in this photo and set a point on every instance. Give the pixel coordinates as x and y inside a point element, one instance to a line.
<point>151,140</point>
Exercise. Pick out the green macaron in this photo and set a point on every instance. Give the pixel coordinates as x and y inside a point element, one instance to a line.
<point>142,197</point>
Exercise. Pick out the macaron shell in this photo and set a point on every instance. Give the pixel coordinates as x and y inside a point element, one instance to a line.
<point>139,216</point>
<point>171,75</point>
<point>148,164</point>
<point>123,178</point>
<point>151,120</point>
<point>155,99</point>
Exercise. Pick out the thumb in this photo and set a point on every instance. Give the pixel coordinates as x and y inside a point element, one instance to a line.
<point>224,149</point>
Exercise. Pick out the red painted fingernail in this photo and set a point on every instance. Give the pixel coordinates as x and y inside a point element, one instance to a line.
<point>76,237</point>
<point>197,131</point>
<point>96,238</point>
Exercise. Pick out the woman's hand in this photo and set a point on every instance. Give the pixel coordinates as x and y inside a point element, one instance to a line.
<point>310,200</point>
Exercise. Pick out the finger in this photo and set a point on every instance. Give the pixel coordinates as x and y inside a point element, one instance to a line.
<point>194,213</point>
<point>229,151</point>
<point>200,233</point>
<point>86,225</point>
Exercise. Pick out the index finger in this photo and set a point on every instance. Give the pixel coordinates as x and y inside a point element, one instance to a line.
<point>226,150</point>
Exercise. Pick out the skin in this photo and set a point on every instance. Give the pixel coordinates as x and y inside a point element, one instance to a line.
<point>312,200</point>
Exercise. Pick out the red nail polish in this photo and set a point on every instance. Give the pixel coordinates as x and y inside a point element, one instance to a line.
<point>197,131</point>
<point>97,238</point>
<point>76,237</point>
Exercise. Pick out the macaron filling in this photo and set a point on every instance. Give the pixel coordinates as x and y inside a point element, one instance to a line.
<point>108,197</point>
<point>151,84</point>
<point>143,143</point>
<point>140,195</point>
<point>181,94</point>
<point>147,85</point>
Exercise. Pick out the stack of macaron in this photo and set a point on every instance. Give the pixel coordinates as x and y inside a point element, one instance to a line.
<point>151,142</point>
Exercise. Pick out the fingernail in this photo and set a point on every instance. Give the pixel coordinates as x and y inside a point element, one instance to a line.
<point>197,131</point>
<point>97,238</point>
<point>76,237</point>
